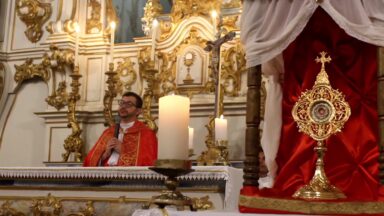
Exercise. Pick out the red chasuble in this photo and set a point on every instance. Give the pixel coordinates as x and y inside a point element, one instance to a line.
<point>139,147</point>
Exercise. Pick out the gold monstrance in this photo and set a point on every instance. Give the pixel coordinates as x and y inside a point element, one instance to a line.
<point>319,113</point>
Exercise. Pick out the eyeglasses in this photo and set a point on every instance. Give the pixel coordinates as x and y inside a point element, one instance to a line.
<point>126,104</point>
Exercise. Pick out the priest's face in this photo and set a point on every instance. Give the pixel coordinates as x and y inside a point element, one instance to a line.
<point>127,108</point>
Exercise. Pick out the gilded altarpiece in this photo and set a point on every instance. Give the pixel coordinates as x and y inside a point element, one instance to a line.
<point>171,61</point>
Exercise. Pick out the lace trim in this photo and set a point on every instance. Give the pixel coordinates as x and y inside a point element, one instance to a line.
<point>200,173</point>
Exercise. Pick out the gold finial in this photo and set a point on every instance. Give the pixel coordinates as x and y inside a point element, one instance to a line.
<point>323,59</point>
<point>322,77</point>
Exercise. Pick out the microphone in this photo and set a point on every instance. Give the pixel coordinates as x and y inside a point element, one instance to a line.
<point>117,128</point>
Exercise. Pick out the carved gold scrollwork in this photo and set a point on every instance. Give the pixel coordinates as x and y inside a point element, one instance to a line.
<point>28,70</point>
<point>127,74</point>
<point>167,76</point>
<point>229,24</point>
<point>232,4</point>
<point>111,12</point>
<point>183,9</point>
<point>202,203</point>
<point>94,23</point>
<point>6,210</point>
<point>69,24</point>
<point>151,10</point>
<point>49,67</point>
<point>88,211</point>
<point>57,61</point>
<point>147,116</point>
<point>50,206</point>
<point>73,143</point>
<point>145,59</point>
<point>58,98</point>
<point>34,14</point>
<point>232,67</point>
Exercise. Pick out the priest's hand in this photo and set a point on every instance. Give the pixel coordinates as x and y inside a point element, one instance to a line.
<point>114,144</point>
<point>111,145</point>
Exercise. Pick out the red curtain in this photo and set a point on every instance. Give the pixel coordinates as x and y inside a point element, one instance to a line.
<point>351,162</point>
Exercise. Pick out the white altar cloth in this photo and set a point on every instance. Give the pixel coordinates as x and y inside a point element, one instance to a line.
<point>232,177</point>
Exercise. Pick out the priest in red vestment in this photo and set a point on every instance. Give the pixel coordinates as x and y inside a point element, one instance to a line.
<point>130,143</point>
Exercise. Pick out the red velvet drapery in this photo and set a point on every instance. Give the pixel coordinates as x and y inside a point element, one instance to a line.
<point>351,162</point>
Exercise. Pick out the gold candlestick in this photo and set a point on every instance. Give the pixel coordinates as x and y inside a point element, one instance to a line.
<point>110,94</point>
<point>73,143</point>
<point>320,112</point>
<point>172,169</point>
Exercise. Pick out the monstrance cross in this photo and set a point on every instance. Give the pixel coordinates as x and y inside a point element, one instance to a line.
<point>323,59</point>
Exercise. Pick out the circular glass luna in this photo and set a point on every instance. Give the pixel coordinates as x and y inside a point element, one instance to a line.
<point>321,111</point>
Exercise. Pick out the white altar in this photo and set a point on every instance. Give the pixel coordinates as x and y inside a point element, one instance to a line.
<point>174,212</point>
<point>112,190</point>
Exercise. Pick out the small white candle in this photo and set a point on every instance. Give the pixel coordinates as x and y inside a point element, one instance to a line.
<point>173,127</point>
<point>113,27</point>
<point>155,23</point>
<point>77,32</point>
<point>190,136</point>
<point>221,128</point>
<point>214,22</point>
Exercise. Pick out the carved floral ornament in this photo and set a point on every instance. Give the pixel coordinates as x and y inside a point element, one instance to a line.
<point>232,68</point>
<point>94,22</point>
<point>127,74</point>
<point>28,70</point>
<point>168,69</point>
<point>34,14</point>
<point>52,68</point>
<point>164,81</point>
<point>49,205</point>
<point>7,209</point>
<point>185,9</point>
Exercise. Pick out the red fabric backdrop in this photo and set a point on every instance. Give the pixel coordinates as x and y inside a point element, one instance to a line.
<point>351,162</point>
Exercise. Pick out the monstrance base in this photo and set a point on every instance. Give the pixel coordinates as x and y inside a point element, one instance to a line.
<point>325,192</point>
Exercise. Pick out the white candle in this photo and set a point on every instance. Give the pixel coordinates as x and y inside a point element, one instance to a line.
<point>173,127</point>
<point>77,32</point>
<point>190,138</point>
<point>113,27</point>
<point>214,21</point>
<point>155,23</point>
<point>221,128</point>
